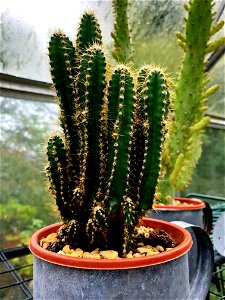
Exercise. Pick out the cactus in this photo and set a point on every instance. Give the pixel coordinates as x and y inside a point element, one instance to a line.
<point>123,50</point>
<point>190,98</point>
<point>103,169</point>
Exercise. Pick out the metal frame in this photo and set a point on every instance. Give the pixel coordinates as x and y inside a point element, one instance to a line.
<point>25,89</point>
<point>39,91</point>
<point>17,280</point>
<point>218,281</point>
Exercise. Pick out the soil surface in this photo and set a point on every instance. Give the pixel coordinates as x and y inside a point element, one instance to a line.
<point>147,241</point>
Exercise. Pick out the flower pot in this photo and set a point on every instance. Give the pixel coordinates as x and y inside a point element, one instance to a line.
<point>160,276</point>
<point>197,212</point>
<point>194,213</point>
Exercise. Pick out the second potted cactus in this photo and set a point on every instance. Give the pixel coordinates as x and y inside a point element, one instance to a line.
<point>190,98</point>
<point>184,146</point>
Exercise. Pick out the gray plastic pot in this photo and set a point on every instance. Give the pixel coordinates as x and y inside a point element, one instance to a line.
<point>160,276</point>
<point>197,212</point>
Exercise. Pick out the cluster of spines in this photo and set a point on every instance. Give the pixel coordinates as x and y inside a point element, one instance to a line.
<point>121,99</point>
<point>112,128</point>
<point>57,174</point>
<point>63,71</point>
<point>190,96</point>
<point>89,32</point>
<point>130,219</point>
<point>155,99</point>
<point>91,85</point>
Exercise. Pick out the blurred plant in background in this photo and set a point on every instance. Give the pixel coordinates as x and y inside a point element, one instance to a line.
<point>153,24</point>
<point>23,193</point>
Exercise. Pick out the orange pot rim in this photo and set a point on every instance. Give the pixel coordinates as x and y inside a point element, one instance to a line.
<point>195,204</point>
<point>179,234</point>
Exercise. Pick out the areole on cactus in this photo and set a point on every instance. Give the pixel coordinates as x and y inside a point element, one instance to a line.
<point>104,168</point>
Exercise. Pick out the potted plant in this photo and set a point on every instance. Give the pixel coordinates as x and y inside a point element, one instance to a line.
<point>103,170</point>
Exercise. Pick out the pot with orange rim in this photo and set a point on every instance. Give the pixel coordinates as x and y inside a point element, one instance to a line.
<point>160,276</point>
<point>193,211</point>
<point>188,210</point>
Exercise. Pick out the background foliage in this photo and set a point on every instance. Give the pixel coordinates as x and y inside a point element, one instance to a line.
<point>24,199</point>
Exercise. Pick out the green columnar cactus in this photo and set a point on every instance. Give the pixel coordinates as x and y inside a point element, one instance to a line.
<point>123,50</point>
<point>103,169</point>
<point>89,32</point>
<point>190,99</point>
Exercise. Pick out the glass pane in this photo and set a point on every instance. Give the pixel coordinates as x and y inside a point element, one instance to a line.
<point>25,203</point>
<point>209,175</point>
<point>154,24</point>
<point>26,26</point>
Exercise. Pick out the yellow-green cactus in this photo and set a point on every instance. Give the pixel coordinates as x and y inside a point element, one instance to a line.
<point>123,50</point>
<point>190,98</point>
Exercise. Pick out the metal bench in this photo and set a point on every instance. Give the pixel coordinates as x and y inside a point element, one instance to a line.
<point>16,273</point>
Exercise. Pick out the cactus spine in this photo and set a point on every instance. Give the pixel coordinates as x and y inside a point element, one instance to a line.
<point>104,168</point>
<point>184,145</point>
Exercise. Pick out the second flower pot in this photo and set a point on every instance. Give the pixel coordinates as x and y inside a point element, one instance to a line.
<point>193,211</point>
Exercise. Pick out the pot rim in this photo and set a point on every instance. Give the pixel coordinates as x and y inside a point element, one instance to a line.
<point>179,234</point>
<point>196,204</point>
